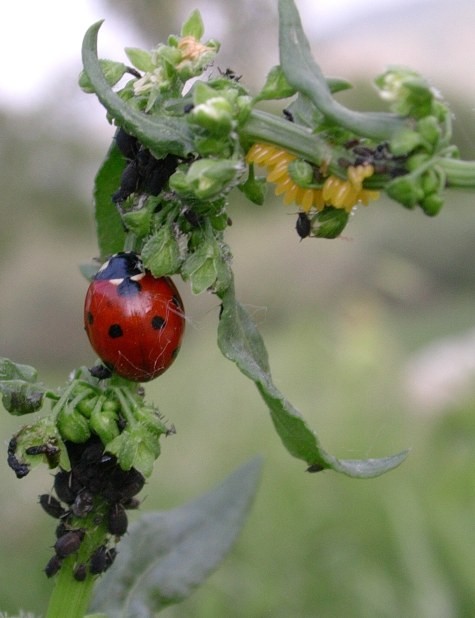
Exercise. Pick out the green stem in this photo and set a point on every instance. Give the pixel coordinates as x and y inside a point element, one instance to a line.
<point>69,598</point>
<point>460,174</point>
<point>125,400</point>
<point>264,127</point>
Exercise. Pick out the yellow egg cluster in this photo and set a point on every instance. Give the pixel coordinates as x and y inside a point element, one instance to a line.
<point>337,192</point>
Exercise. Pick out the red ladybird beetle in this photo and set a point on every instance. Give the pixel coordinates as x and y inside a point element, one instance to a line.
<point>134,321</point>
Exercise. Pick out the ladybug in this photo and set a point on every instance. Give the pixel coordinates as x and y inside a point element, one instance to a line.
<point>134,321</point>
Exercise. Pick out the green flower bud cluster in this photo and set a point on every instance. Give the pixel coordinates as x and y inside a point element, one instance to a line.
<point>112,410</point>
<point>161,73</point>
<point>116,413</point>
<point>423,141</point>
<point>219,107</point>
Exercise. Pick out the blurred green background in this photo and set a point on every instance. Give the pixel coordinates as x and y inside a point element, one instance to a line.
<point>371,336</point>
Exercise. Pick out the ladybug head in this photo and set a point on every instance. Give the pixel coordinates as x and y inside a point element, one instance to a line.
<point>123,265</point>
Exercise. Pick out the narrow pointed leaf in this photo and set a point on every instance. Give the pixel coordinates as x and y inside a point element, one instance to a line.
<point>166,555</point>
<point>161,134</point>
<point>304,74</point>
<point>241,342</point>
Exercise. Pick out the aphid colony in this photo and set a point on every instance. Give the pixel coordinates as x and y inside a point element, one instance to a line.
<point>95,487</point>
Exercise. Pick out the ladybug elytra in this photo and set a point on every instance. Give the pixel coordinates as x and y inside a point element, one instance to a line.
<point>134,321</point>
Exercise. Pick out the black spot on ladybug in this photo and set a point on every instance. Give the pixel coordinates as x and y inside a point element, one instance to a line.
<point>90,318</point>
<point>175,352</point>
<point>53,566</point>
<point>303,225</point>
<point>158,322</point>
<point>128,287</point>
<point>115,331</point>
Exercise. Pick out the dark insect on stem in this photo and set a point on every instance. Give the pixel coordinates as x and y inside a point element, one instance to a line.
<point>303,225</point>
<point>20,468</point>
<point>117,521</point>
<point>52,506</point>
<point>53,566</point>
<point>69,543</point>
<point>288,115</point>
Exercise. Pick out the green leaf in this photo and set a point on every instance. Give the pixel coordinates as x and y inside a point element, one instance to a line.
<point>113,72</point>
<point>161,253</point>
<point>193,26</point>
<point>161,134</point>
<point>166,555</point>
<point>15,371</point>
<point>21,394</point>
<point>110,231</point>
<point>141,59</point>
<point>304,74</point>
<point>241,342</point>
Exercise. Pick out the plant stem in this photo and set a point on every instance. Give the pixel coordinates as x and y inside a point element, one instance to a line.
<point>264,127</point>
<point>460,174</point>
<point>69,598</point>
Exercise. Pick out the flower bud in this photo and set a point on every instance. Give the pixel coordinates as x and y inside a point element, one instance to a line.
<point>429,129</point>
<point>72,425</point>
<point>405,190</point>
<point>161,253</point>
<point>215,115</point>
<point>138,221</point>
<point>104,424</point>
<point>207,178</point>
<point>150,418</point>
<point>431,204</point>
<point>330,222</point>
<point>86,406</point>
<point>254,188</point>
<point>404,141</point>
<point>301,172</point>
